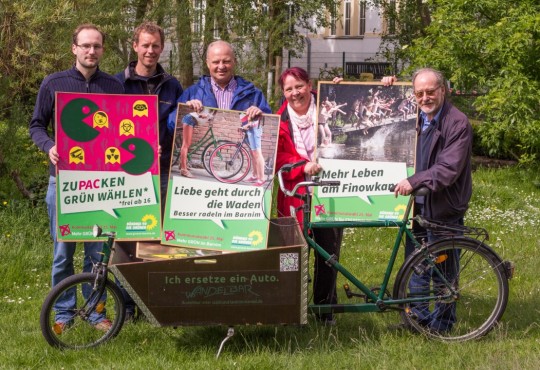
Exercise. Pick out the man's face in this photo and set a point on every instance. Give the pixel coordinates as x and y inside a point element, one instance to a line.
<point>220,61</point>
<point>429,94</point>
<point>89,49</point>
<point>148,49</point>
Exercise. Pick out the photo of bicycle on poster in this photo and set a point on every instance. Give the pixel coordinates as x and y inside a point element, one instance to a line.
<point>219,180</point>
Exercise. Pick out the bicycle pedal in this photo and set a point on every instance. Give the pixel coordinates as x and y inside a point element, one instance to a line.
<point>349,293</point>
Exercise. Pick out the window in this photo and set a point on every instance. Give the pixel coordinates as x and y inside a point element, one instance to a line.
<point>198,17</point>
<point>362,18</point>
<point>347,12</point>
<point>290,17</point>
<point>333,19</point>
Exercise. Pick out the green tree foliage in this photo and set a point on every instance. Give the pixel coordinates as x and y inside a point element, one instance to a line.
<point>35,40</point>
<point>490,46</point>
<point>405,21</point>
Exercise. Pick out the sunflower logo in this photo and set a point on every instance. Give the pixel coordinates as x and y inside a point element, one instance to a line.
<point>150,220</point>
<point>400,207</point>
<point>256,237</point>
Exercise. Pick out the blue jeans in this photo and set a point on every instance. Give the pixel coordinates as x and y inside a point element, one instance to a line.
<point>443,316</point>
<point>63,261</point>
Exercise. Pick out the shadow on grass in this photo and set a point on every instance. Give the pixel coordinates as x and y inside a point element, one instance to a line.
<point>349,331</point>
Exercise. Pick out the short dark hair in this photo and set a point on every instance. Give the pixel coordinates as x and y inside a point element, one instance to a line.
<point>151,28</point>
<point>296,72</point>
<point>86,26</point>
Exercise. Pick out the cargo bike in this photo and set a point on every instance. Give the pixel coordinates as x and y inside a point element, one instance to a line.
<point>459,273</point>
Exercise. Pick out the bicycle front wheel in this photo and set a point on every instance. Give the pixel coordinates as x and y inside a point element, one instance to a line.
<point>207,152</point>
<point>230,163</point>
<point>465,287</point>
<point>80,313</point>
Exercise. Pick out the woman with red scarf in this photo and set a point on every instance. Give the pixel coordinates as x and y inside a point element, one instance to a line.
<point>296,142</point>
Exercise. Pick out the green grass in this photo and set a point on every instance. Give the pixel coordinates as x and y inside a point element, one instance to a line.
<point>506,202</point>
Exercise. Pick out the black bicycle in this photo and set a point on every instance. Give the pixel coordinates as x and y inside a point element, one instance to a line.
<point>97,299</point>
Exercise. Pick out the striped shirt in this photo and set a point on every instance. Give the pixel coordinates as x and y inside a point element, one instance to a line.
<point>224,96</point>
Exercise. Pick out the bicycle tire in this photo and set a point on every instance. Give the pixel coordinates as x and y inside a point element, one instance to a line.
<point>79,332</point>
<point>207,152</point>
<point>482,290</point>
<point>230,163</point>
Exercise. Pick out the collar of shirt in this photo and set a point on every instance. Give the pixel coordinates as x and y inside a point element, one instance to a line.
<point>224,95</point>
<point>426,122</point>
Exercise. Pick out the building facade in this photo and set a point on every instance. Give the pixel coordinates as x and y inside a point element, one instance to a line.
<point>355,35</point>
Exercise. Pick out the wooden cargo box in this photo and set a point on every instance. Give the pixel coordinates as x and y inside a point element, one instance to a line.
<point>247,288</point>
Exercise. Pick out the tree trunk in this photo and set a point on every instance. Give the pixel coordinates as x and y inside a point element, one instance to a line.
<point>184,40</point>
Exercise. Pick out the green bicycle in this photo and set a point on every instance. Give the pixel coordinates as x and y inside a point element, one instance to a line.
<point>458,276</point>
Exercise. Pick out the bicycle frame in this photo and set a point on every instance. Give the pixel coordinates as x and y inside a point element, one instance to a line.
<point>378,301</point>
<point>208,137</point>
<point>108,246</point>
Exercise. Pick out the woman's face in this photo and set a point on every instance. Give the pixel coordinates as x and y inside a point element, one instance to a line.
<point>298,94</point>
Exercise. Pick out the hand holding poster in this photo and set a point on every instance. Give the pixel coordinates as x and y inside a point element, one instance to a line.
<point>108,173</point>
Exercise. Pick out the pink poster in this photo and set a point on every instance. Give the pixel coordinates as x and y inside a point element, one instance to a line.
<point>108,173</point>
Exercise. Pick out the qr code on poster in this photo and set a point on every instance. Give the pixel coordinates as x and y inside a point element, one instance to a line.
<point>288,262</point>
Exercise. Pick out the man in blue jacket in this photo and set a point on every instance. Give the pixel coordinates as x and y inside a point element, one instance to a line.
<point>84,77</point>
<point>147,76</point>
<point>223,90</point>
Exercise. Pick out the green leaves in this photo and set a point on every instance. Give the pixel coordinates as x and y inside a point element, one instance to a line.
<point>490,46</point>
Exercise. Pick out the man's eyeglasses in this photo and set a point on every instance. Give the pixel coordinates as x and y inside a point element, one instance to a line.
<point>87,47</point>
<point>420,94</point>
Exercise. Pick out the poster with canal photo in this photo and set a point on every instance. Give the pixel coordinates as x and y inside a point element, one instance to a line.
<point>366,140</point>
<point>219,192</point>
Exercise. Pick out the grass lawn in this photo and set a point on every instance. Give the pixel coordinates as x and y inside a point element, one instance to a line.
<point>506,202</point>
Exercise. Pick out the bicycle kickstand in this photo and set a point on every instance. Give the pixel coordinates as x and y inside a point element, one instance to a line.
<point>230,333</point>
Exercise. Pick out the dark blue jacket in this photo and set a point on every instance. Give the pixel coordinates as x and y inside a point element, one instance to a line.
<point>70,80</point>
<point>168,90</point>
<point>448,159</point>
<point>245,95</point>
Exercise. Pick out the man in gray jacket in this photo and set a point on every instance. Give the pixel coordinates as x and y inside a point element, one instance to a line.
<point>443,165</point>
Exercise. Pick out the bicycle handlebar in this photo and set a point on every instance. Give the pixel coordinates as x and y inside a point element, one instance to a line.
<point>315,180</point>
<point>422,191</point>
<point>289,166</point>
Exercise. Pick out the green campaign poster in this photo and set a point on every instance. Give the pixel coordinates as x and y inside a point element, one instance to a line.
<point>367,136</point>
<point>108,173</point>
<point>223,206</point>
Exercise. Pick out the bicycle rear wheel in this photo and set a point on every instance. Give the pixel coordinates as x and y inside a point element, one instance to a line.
<point>230,163</point>
<point>476,275</point>
<point>97,316</point>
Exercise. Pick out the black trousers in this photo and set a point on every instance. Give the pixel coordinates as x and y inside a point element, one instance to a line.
<point>324,280</point>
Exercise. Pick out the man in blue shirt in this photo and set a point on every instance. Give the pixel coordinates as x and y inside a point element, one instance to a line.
<point>85,77</point>
<point>443,165</point>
